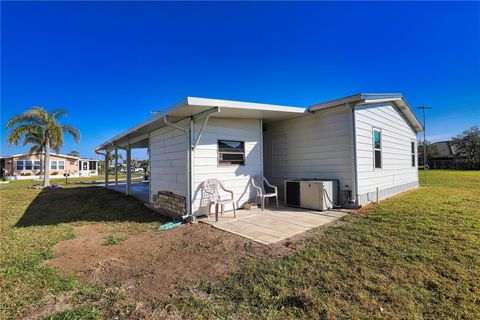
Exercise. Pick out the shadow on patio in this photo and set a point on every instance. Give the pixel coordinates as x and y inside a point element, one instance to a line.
<point>93,204</point>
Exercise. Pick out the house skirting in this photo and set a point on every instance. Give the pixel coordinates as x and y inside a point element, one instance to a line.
<point>385,193</point>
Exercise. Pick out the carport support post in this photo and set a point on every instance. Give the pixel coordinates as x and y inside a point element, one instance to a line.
<point>106,168</point>
<point>129,170</point>
<point>116,169</point>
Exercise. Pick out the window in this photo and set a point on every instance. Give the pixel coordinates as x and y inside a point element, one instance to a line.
<point>19,165</point>
<point>28,165</point>
<point>93,165</point>
<point>231,152</point>
<point>85,165</point>
<point>36,165</point>
<point>53,165</point>
<point>413,153</point>
<point>377,149</point>
<point>61,164</point>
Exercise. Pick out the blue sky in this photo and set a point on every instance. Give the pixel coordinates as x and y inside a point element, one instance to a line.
<point>110,63</point>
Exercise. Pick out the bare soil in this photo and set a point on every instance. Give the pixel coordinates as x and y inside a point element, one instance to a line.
<point>155,266</point>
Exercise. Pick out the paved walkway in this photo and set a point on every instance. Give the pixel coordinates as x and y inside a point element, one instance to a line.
<point>273,225</point>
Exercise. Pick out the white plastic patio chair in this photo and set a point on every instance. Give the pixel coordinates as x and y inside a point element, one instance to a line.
<point>212,188</point>
<point>258,183</point>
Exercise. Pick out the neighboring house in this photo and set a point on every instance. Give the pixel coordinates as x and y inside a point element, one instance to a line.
<point>443,150</point>
<point>366,141</point>
<point>25,166</point>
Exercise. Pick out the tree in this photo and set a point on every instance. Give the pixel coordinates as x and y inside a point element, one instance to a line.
<point>37,119</point>
<point>74,153</point>
<point>467,144</point>
<point>432,151</point>
<point>37,140</point>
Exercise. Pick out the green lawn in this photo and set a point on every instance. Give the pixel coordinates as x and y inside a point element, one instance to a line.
<point>415,255</point>
<point>61,180</point>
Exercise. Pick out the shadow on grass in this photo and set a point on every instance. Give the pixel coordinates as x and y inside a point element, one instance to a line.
<point>95,204</point>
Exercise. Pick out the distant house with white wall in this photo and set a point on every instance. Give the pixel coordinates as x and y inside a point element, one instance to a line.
<point>367,142</point>
<point>26,166</point>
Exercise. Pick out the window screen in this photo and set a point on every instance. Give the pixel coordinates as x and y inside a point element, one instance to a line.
<point>53,165</point>
<point>19,165</point>
<point>231,152</point>
<point>377,148</point>
<point>36,165</point>
<point>413,153</point>
<point>28,165</point>
<point>93,165</point>
<point>61,164</point>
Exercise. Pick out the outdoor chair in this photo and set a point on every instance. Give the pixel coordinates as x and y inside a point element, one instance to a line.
<point>212,188</point>
<point>259,183</point>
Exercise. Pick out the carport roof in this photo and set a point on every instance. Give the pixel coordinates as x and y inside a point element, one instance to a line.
<point>190,106</point>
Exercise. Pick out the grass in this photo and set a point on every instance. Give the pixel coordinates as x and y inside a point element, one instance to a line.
<point>111,240</point>
<point>59,179</point>
<point>415,255</point>
<point>32,221</point>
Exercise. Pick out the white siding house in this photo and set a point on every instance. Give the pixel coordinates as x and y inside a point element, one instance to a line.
<point>313,146</point>
<point>398,169</point>
<point>367,142</point>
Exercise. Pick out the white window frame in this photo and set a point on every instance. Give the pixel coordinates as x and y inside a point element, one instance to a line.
<point>36,165</point>
<point>61,162</point>
<point>377,149</point>
<point>25,165</point>
<point>51,165</point>
<point>413,153</point>
<point>16,165</point>
<point>244,153</point>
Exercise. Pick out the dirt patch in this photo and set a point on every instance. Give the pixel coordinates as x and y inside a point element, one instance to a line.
<point>155,266</point>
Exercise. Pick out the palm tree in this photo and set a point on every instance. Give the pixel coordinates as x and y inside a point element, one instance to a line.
<point>36,120</point>
<point>37,140</point>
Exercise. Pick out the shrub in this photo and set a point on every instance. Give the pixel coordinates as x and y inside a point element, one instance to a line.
<point>22,174</point>
<point>112,239</point>
<point>28,174</point>
<point>4,178</point>
<point>55,173</point>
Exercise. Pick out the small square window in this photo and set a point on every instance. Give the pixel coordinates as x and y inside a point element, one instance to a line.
<point>231,152</point>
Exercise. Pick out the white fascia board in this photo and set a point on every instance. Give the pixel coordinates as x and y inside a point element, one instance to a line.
<point>192,101</point>
<point>374,98</point>
<point>33,154</point>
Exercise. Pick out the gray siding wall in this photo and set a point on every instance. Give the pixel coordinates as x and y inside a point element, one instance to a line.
<point>397,173</point>
<point>235,177</point>
<point>314,146</point>
<point>168,156</point>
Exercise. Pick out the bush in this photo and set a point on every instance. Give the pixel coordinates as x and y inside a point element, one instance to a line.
<point>28,174</point>
<point>4,178</point>
<point>55,173</point>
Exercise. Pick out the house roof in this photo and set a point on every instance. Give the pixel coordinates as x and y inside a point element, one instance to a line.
<point>51,153</point>
<point>192,106</point>
<point>374,98</point>
<point>444,149</point>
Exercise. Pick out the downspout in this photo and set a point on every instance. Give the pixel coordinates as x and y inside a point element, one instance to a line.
<point>354,162</point>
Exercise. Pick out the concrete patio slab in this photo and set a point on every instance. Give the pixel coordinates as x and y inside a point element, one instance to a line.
<point>274,225</point>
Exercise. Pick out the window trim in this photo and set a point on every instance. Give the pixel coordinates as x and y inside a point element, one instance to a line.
<point>23,165</point>
<point>56,165</point>
<point>413,153</point>
<point>35,164</point>
<point>377,149</point>
<point>219,164</point>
